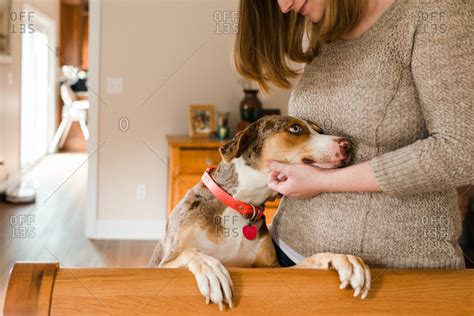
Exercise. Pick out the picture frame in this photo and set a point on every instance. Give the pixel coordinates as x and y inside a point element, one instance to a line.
<point>5,36</point>
<point>202,120</point>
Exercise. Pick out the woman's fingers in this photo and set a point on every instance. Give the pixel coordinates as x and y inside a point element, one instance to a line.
<point>273,184</point>
<point>274,179</point>
<point>278,171</point>
<point>277,166</point>
<point>292,180</point>
<point>273,176</point>
<point>276,176</point>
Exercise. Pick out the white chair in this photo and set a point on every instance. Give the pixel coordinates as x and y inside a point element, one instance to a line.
<point>73,111</point>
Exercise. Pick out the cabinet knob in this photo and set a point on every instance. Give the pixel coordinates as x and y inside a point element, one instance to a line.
<point>208,162</point>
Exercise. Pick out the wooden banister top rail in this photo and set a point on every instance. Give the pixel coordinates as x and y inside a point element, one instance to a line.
<point>42,288</point>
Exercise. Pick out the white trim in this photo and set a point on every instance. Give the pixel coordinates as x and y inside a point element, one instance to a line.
<point>125,229</point>
<point>92,224</point>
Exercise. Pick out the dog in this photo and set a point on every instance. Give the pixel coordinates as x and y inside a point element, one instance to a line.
<point>219,223</point>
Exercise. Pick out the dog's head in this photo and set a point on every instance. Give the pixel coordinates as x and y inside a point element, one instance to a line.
<point>289,140</point>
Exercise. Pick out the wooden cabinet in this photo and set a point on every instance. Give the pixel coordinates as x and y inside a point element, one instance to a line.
<point>188,159</point>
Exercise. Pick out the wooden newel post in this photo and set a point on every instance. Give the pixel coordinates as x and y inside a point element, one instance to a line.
<point>30,288</point>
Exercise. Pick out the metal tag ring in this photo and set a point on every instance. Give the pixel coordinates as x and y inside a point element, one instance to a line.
<point>254,213</point>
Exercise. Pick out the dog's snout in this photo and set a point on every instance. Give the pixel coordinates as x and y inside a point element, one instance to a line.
<point>344,143</point>
<point>345,150</point>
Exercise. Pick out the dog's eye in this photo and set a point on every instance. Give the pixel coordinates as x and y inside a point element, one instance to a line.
<point>295,129</point>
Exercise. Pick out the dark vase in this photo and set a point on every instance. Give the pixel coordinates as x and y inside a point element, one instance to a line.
<point>250,106</point>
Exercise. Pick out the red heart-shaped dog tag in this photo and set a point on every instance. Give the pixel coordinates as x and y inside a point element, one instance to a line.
<point>250,231</point>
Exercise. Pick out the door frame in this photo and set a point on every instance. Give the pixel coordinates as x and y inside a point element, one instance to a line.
<point>93,144</point>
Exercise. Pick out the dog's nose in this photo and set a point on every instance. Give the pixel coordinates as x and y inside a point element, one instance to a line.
<point>345,149</point>
<point>344,143</point>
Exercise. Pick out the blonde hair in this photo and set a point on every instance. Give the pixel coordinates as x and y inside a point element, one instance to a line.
<point>268,40</point>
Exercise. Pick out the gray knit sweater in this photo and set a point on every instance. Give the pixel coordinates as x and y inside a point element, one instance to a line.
<point>403,94</point>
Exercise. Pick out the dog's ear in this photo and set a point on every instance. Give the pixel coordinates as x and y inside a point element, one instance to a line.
<point>238,144</point>
<point>314,126</point>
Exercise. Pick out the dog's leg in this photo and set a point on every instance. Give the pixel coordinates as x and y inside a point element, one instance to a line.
<point>265,256</point>
<point>212,278</point>
<point>351,269</point>
<point>157,255</point>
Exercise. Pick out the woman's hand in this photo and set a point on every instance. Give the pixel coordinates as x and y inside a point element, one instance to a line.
<point>303,181</point>
<point>295,180</point>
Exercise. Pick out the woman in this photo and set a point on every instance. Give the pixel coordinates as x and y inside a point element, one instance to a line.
<point>394,77</point>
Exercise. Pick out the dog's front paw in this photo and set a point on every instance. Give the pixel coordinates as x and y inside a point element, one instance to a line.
<point>351,269</point>
<point>213,279</point>
<point>354,271</point>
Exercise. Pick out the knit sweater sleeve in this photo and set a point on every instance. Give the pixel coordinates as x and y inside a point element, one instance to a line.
<point>442,69</point>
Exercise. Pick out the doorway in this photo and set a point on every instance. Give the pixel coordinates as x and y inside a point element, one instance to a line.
<point>38,81</point>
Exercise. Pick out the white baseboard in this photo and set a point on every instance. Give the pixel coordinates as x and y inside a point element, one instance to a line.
<point>128,230</point>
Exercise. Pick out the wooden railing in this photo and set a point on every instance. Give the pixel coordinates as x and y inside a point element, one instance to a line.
<point>45,288</point>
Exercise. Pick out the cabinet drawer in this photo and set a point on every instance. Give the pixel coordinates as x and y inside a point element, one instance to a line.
<point>195,161</point>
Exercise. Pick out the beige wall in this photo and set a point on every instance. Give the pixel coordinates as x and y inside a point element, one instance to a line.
<point>10,93</point>
<point>145,42</point>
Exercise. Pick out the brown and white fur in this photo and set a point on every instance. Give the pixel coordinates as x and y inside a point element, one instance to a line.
<point>205,235</point>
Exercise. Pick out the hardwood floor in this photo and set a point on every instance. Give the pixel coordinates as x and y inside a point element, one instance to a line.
<point>52,229</point>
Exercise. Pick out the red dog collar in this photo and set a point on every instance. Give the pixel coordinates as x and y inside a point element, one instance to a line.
<point>249,211</point>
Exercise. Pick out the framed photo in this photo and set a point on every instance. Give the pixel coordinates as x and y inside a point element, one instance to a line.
<point>5,39</point>
<point>202,120</point>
